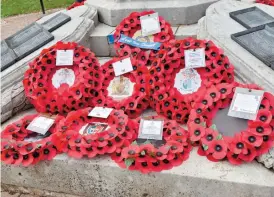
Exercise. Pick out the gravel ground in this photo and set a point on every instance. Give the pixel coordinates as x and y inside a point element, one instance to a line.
<point>11,25</point>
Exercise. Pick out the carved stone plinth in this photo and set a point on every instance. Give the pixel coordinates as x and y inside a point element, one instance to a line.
<point>218,26</point>
<point>176,12</point>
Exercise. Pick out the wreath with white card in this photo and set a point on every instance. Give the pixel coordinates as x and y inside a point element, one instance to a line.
<point>146,155</point>
<point>253,137</point>
<point>21,146</point>
<point>175,83</point>
<point>128,91</point>
<point>131,27</point>
<point>81,135</point>
<point>62,78</point>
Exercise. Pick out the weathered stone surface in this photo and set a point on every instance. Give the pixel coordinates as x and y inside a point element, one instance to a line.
<point>177,12</point>
<point>218,27</point>
<point>76,30</point>
<point>101,177</point>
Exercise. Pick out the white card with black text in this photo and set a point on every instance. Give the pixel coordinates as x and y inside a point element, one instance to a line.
<point>150,24</point>
<point>123,66</point>
<point>151,129</point>
<point>195,58</point>
<point>100,112</point>
<point>64,57</point>
<point>245,103</point>
<point>40,124</point>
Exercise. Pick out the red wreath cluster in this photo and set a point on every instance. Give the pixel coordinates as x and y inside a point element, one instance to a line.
<point>137,102</point>
<point>76,4</point>
<point>245,145</point>
<point>120,131</point>
<point>267,2</point>
<point>16,150</point>
<point>166,98</point>
<point>150,157</point>
<point>38,80</point>
<point>129,26</point>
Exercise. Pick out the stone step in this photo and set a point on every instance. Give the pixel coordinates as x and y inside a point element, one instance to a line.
<point>177,12</point>
<point>100,46</point>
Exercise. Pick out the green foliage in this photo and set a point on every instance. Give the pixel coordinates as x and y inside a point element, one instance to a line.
<point>219,137</point>
<point>205,147</point>
<point>129,162</point>
<point>214,127</point>
<point>15,7</point>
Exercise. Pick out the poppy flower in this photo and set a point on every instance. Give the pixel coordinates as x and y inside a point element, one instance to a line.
<point>218,149</point>
<point>252,139</point>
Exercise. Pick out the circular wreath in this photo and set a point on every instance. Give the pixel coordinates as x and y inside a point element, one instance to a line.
<point>131,26</point>
<point>16,149</point>
<point>154,155</point>
<point>71,140</point>
<point>245,145</point>
<point>167,99</point>
<point>134,104</point>
<point>267,2</point>
<point>50,93</point>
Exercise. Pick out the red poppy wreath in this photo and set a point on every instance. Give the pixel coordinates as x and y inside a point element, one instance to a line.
<point>173,88</point>
<point>255,139</point>
<point>76,4</point>
<point>156,155</point>
<point>22,146</point>
<point>267,2</point>
<point>127,92</point>
<point>60,89</point>
<point>131,27</point>
<point>81,135</point>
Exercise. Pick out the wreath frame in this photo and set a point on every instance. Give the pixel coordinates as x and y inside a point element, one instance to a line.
<point>45,97</point>
<point>129,26</point>
<point>68,139</point>
<point>164,97</point>
<point>243,146</point>
<point>16,151</point>
<point>147,158</point>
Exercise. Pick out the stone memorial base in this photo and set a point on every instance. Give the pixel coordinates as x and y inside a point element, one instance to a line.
<point>78,29</point>
<point>176,12</point>
<point>101,177</point>
<point>218,26</point>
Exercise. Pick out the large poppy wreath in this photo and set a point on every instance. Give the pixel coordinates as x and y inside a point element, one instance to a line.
<point>156,155</point>
<point>60,89</point>
<point>267,2</point>
<point>105,135</point>
<point>131,27</point>
<point>16,149</point>
<point>173,88</point>
<point>243,146</point>
<point>127,92</point>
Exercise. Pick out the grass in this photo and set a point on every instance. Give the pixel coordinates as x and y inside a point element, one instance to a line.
<point>15,7</point>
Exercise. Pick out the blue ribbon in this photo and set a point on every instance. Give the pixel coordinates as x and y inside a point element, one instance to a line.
<point>136,43</point>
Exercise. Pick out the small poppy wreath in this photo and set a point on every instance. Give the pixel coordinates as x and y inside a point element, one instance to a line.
<point>156,155</point>
<point>173,102</point>
<point>131,27</point>
<point>60,89</point>
<point>69,138</point>
<point>16,150</point>
<point>245,145</point>
<point>76,4</point>
<point>133,84</point>
<point>267,2</point>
